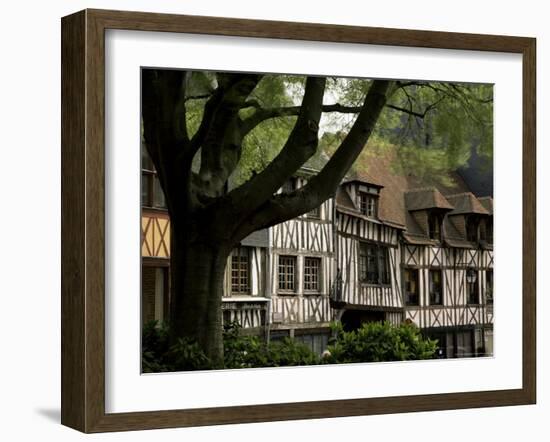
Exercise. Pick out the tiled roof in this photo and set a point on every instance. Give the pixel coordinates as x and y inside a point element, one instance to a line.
<point>381,171</point>
<point>465,203</point>
<point>487,203</point>
<point>403,193</point>
<point>425,198</point>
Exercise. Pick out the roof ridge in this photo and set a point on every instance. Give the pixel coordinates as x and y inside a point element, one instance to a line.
<point>423,189</point>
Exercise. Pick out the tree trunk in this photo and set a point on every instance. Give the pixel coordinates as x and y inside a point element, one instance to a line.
<point>197,271</point>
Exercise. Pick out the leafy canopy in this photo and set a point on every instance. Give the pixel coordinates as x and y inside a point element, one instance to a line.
<point>432,127</point>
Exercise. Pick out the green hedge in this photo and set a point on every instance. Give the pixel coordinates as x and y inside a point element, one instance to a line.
<point>373,342</point>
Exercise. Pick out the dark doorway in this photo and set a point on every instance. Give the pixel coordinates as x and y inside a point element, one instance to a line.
<point>352,319</point>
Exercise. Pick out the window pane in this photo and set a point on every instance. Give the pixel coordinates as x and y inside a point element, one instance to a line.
<point>311,273</point>
<point>383,265</point>
<point>489,286</point>
<point>159,195</point>
<point>372,264</point>
<point>315,213</point>
<point>434,222</point>
<point>411,286</point>
<point>146,162</point>
<point>287,271</point>
<point>367,204</point>
<point>436,291</point>
<point>146,189</point>
<point>240,274</point>
<point>472,283</point>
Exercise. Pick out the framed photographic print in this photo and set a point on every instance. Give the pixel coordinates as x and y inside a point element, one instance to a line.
<point>267,221</point>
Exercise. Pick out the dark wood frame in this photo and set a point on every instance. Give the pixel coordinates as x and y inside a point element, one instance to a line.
<point>83,216</point>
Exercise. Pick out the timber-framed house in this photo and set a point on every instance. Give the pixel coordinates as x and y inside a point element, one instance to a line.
<point>387,246</point>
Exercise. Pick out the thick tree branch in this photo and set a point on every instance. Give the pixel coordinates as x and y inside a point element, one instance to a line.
<point>300,146</point>
<point>262,115</point>
<point>164,126</point>
<point>282,207</point>
<point>219,136</point>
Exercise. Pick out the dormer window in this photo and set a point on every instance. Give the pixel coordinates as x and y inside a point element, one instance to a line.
<point>368,204</point>
<point>486,231</point>
<point>435,221</point>
<point>472,229</point>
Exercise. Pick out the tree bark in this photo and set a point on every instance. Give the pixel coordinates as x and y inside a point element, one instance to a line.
<point>197,271</point>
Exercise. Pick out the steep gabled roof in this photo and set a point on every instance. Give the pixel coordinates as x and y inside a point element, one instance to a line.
<point>426,198</point>
<point>466,203</point>
<point>487,203</point>
<point>381,171</point>
<point>403,193</point>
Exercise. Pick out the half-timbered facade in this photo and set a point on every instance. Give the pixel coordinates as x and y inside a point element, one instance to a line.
<point>368,286</point>
<point>301,272</point>
<point>416,254</point>
<point>385,247</point>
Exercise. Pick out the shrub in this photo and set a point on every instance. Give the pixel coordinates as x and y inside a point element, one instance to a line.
<point>379,342</point>
<point>252,351</point>
<point>373,342</point>
<point>186,355</point>
<point>159,356</point>
<point>243,351</point>
<point>154,347</point>
<point>289,352</point>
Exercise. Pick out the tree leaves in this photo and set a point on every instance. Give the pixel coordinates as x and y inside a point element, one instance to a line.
<point>433,126</point>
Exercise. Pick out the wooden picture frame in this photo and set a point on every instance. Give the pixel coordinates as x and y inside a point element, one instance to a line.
<point>83,220</point>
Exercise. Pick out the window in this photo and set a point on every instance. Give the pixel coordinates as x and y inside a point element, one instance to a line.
<point>489,287</point>
<point>154,293</point>
<point>240,270</point>
<point>411,287</point>
<point>489,227</point>
<point>152,194</point>
<point>486,231</point>
<point>315,213</point>
<point>373,264</point>
<point>434,226</point>
<point>312,268</point>
<point>436,287</point>
<point>472,283</point>
<point>287,273</point>
<point>367,204</point>
<point>471,229</point>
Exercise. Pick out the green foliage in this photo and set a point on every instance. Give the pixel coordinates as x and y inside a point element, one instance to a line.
<point>251,351</point>
<point>159,356</point>
<point>187,355</point>
<point>239,351</point>
<point>446,121</point>
<point>289,352</point>
<point>432,126</point>
<point>242,351</point>
<point>379,342</point>
<point>373,342</point>
<point>154,347</point>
